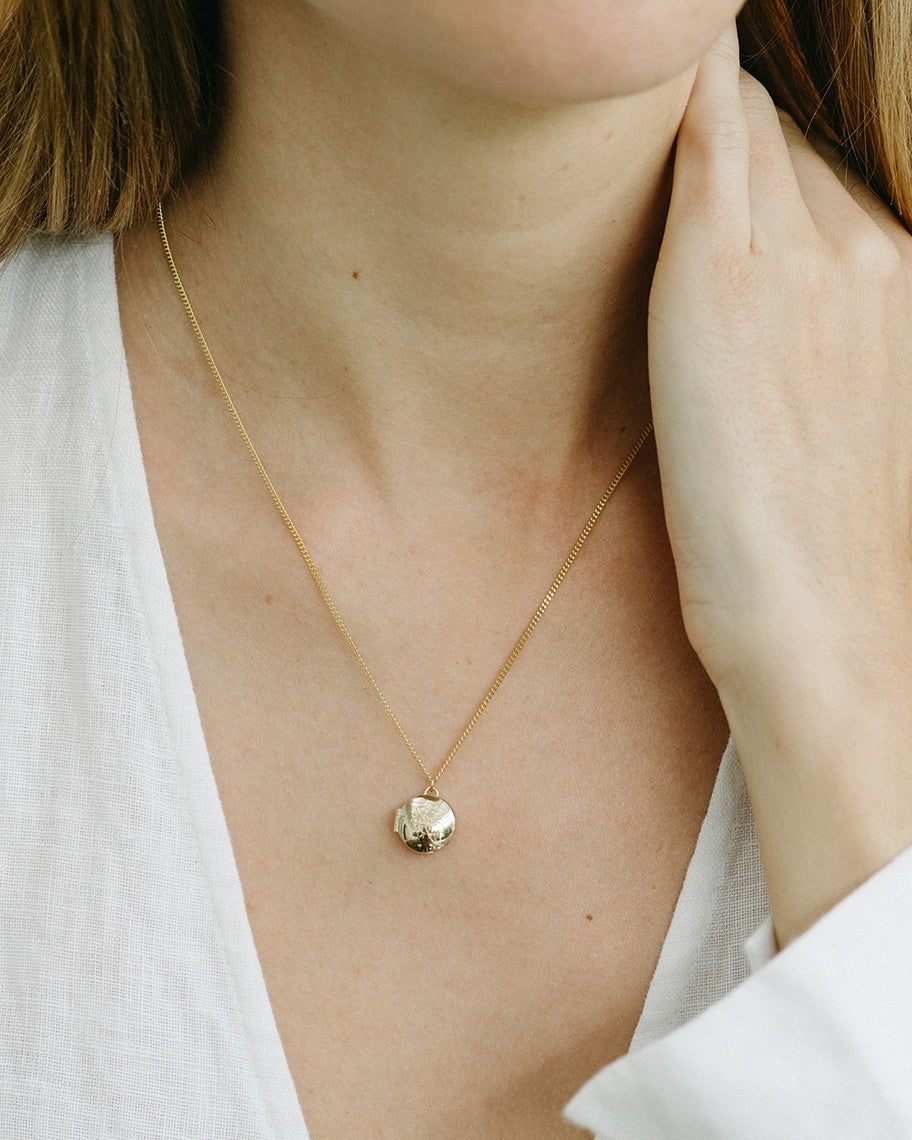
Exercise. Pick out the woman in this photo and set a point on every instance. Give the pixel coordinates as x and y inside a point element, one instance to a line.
<point>448,268</point>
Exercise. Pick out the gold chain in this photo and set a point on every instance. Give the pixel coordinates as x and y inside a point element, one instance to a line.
<point>318,578</point>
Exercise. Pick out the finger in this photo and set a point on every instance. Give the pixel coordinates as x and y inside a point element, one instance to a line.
<point>836,196</point>
<point>776,201</point>
<point>711,173</point>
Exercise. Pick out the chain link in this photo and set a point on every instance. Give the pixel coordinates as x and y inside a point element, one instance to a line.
<point>318,578</point>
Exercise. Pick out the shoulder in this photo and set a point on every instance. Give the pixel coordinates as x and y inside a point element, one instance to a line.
<point>47,290</point>
<point>60,352</point>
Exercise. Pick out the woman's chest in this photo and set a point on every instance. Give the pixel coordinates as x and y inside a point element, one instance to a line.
<point>471,990</point>
<point>481,984</point>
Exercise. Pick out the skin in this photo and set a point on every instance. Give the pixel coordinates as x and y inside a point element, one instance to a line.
<point>440,259</point>
<point>791,525</point>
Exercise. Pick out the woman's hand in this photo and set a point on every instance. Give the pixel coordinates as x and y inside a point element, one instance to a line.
<point>780,343</point>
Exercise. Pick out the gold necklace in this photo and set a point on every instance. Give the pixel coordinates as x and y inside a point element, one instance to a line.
<point>426,822</point>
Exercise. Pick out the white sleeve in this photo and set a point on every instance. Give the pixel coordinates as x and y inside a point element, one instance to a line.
<point>816,1045</point>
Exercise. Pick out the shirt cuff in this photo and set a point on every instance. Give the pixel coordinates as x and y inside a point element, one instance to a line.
<point>817,1044</point>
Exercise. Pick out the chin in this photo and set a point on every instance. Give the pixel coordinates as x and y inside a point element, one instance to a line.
<point>578,51</point>
<point>544,52</point>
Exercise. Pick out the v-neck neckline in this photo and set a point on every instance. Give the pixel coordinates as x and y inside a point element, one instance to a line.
<point>214,849</point>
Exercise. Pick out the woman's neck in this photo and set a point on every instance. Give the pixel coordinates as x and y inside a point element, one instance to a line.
<point>437,271</point>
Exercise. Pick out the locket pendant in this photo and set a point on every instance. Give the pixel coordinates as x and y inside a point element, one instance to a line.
<point>425,823</point>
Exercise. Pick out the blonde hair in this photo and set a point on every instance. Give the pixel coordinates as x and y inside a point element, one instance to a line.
<point>844,69</point>
<point>106,104</point>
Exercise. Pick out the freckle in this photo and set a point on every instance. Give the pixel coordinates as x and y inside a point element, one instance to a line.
<point>268,599</point>
<point>588,917</point>
<point>356,273</point>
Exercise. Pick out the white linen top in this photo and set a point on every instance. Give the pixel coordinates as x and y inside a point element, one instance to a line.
<point>132,1003</point>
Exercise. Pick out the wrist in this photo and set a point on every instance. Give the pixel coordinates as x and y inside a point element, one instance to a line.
<point>824,731</point>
